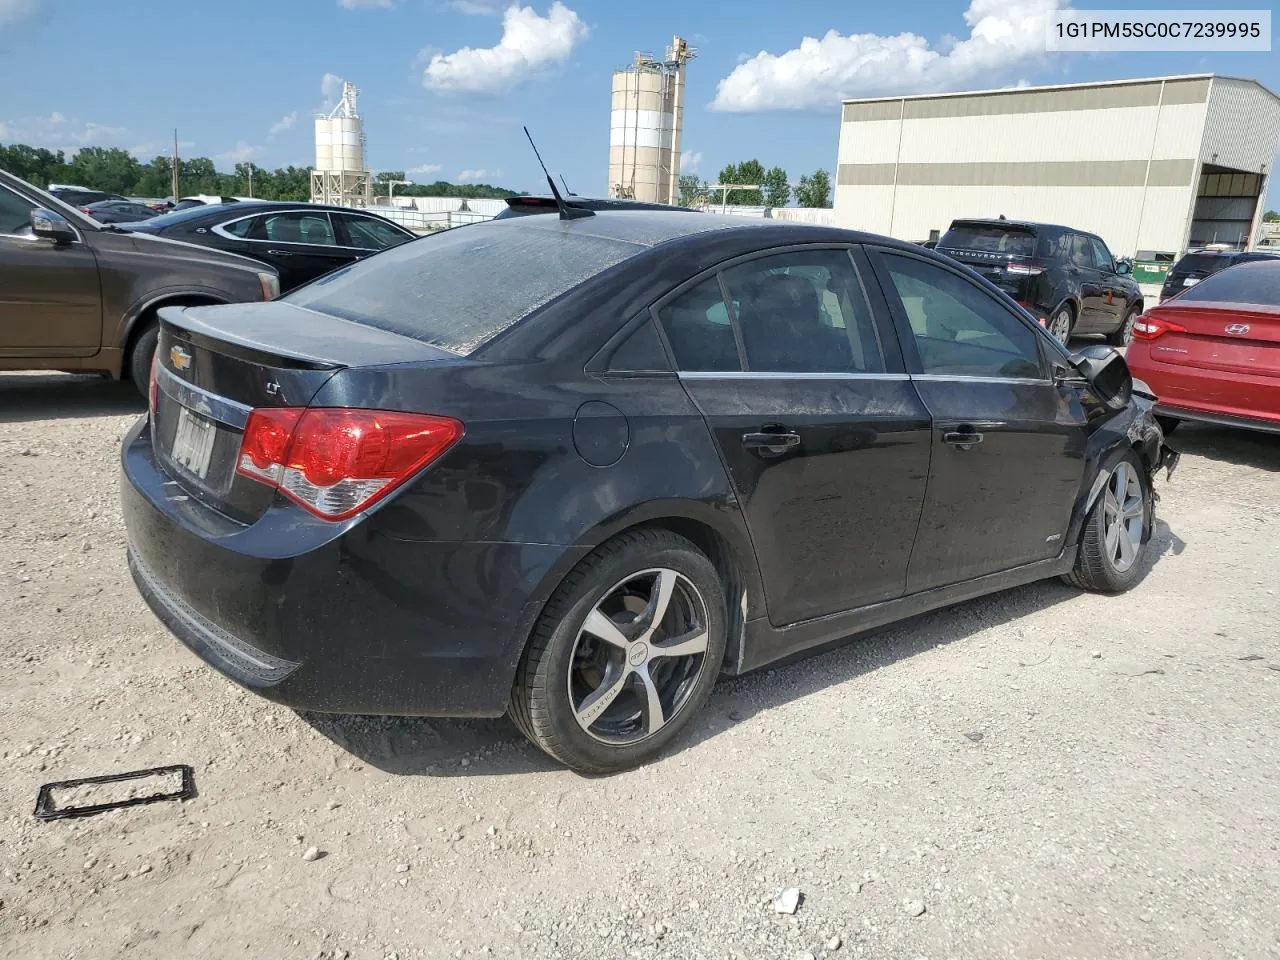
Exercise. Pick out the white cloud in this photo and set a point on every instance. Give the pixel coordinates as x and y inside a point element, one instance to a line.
<point>423,170</point>
<point>15,11</point>
<point>330,89</point>
<point>1003,35</point>
<point>690,161</point>
<point>59,132</point>
<point>284,123</point>
<point>357,4</point>
<point>240,153</point>
<point>479,8</point>
<point>475,176</point>
<point>529,42</point>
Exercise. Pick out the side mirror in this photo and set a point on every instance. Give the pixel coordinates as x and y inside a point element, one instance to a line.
<point>48,225</point>
<point>1124,267</point>
<point>1108,374</point>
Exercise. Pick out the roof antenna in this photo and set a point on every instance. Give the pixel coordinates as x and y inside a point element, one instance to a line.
<point>566,186</point>
<point>566,212</point>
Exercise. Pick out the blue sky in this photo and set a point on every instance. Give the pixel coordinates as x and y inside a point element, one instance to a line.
<point>446,84</point>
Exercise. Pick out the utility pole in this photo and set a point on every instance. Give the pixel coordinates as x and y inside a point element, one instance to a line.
<point>175,165</point>
<point>250,179</point>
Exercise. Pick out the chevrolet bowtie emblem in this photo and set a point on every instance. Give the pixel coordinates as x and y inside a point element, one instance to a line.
<point>179,358</point>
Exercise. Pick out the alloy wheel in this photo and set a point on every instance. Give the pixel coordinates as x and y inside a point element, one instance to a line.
<point>1126,332</point>
<point>1123,515</point>
<point>638,657</point>
<point>1060,325</point>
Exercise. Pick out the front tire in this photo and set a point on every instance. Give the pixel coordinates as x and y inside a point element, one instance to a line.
<point>1116,530</point>
<point>140,355</point>
<point>625,653</point>
<point>1124,335</point>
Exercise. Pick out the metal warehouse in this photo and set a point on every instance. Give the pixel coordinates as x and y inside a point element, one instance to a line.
<point>1151,166</point>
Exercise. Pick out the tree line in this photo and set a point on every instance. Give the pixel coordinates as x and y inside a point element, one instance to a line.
<point>113,170</point>
<point>775,187</point>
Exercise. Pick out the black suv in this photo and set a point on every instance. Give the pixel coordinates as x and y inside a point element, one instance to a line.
<point>1195,265</point>
<point>1066,278</point>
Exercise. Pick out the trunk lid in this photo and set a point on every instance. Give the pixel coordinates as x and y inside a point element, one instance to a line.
<point>1226,338</point>
<point>1003,253</point>
<point>215,365</point>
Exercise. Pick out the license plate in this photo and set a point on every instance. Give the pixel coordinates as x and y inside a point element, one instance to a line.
<point>193,443</point>
<point>1190,281</point>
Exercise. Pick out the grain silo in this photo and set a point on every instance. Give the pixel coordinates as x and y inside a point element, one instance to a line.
<point>645,125</point>
<point>340,176</point>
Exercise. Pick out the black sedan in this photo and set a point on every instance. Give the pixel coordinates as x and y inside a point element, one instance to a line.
<point>660,449</point>
<point>119,211</point>
<point>301,240</point>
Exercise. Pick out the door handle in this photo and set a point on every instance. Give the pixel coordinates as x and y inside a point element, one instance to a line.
<point>775,443</point>
<point>280,253</point>
<point>962,439</point>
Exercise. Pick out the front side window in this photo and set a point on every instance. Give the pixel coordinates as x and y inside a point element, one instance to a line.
<point>368,234</point>
<point>961,330</point>
<point>804,312</point>
<point>1102,256</point>
<point>15,214</point>
<point>697,327</point>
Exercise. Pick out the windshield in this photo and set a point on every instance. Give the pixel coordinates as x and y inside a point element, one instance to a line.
<point>990,239</point>
<point>1202,263</point>
<point>466,285</point>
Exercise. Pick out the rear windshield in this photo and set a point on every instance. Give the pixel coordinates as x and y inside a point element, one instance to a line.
<point>990,239</point>
<point>459,288</point>
<point>1204,263</point>
<point>1257,283</point>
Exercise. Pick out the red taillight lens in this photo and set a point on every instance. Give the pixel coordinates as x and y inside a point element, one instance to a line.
<point>1022,270</point>
<point>1147,327</point>
<point>337,462</point>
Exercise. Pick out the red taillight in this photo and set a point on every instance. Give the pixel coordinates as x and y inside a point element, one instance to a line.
<point>1147,327</point>
<point>1023,270</point>
<point>337,462</point>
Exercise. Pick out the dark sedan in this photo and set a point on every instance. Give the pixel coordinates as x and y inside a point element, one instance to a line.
<point>119,211</point>
<point>662,448</point>
<point>301,240</point>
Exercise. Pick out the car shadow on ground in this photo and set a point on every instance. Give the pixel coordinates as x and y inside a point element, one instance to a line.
<point>414,746</point>
<point>1247,448</point>
<point>28,398</point>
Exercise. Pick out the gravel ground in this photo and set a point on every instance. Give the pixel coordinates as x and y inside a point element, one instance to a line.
<point>1042,773</point>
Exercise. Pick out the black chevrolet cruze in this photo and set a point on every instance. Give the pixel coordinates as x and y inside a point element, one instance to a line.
<point>574,469</point>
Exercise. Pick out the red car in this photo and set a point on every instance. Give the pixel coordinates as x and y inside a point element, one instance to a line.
<point>1212,353</point>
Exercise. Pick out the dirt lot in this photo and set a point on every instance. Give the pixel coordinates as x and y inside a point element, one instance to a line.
<point>1042,773</point>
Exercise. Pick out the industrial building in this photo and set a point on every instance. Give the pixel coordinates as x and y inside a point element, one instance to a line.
<point>340,176</point>
<point>1152,166</point>
<point>645,125</point>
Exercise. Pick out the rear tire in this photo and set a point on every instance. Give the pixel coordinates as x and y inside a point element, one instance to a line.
<point>1116,531</point>
<point>141,353</point>
<point>1124,336</point>
<point>1062,323</point>
<point>594,689</point>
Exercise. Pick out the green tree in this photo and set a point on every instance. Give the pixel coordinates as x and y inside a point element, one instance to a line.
<point>814,190</point>
<point>747,172</point>
<point>107,168</point>
<point>386,175</point>
<point>693,191</point>
<point>1271,216</point>
<point>777,191</point>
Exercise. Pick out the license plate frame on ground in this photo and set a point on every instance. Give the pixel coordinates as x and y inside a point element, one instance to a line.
<point>193,441</point>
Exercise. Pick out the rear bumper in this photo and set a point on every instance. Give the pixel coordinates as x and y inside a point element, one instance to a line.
<point>335,617</point>
<point>1212,396</point>
<point>1219,419</point>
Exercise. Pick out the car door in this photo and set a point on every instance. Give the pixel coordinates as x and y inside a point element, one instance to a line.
<point>823,436</point>
<point>50,300</point>
<point>301,244</point>
<point>1115,295</point>
<point>1083,271</point>
<point>368,235</point>
<point>1008,440</point>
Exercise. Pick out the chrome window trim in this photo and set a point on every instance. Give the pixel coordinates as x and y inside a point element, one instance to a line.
<point>965,378</point>
<point>775,375</point>
<point>229,412</point>
<point>218,228</point>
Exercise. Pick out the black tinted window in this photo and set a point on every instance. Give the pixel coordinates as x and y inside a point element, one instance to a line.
<point>15,213</point>
<point>698,329</point>
<point>311,228</point>
<point>369,234</point>
<point>1248,283</point>
<point>461,287</point>
<point>243,228</point>
<point>990,238</point>
<point>1102,258</point>
<point>1202,263</point>
<point>804,312</point>
<point>960,329</point>
<point>640,352</point>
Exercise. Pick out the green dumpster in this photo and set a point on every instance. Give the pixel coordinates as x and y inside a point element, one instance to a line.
<point>1152,267</point>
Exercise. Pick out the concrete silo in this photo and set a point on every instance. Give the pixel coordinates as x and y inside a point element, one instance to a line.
<point>645,125</point>
<point>340,176</point>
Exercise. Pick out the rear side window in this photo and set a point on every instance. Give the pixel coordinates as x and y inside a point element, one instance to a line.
<point>369,234</point>
<point>243,228</point>
<point>1256,283</point>
<point>990,238</point>
<point>697,327</point>
<point>459,288</point>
